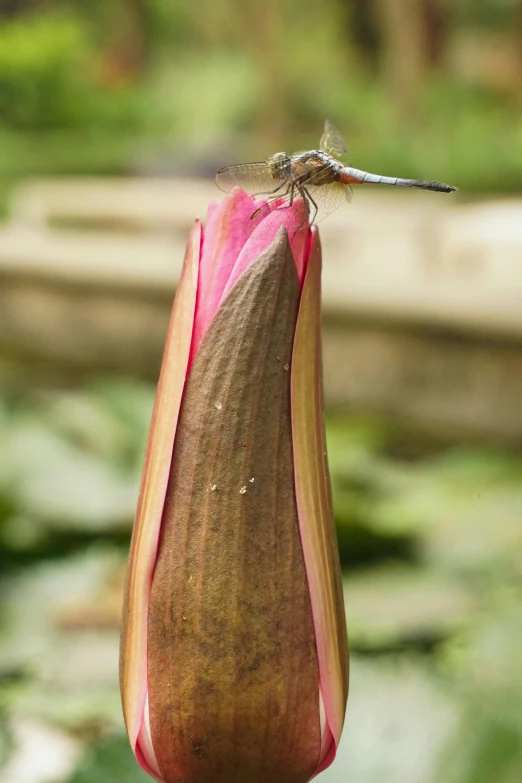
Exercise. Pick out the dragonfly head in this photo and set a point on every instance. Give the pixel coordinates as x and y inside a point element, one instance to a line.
<point>279,165</point>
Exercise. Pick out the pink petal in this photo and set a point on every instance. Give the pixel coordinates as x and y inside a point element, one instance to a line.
<point>232,243</point>
<point>225,236</point>
<point>145,750</point>
<point>295,219</point>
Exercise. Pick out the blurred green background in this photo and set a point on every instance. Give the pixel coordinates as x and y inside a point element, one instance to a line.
<point>429,521</point>
<point>118,85</point>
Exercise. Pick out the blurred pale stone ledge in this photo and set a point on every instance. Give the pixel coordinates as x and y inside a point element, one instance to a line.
<point>422,295</point>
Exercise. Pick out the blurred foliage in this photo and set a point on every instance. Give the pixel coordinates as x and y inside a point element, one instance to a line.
<point>89,88</point>
<point>430,536</point>
<point>48,77</point>
<point>429,531</point>
<point>109,760</point>
<point>487,12</point>
<point>484,662</point>
<point>69,467</point>
<point>41,64</point>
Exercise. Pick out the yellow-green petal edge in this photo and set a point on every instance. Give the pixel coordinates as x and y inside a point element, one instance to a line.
<point>145,536</point>
<point>314,503</point>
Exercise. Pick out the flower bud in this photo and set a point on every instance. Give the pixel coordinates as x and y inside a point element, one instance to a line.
<point>234,659</point>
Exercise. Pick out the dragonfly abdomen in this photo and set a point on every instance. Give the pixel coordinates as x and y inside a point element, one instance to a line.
<point>350,176</point>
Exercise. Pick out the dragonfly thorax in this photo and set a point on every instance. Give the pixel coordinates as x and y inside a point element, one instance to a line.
<point>279,165</point>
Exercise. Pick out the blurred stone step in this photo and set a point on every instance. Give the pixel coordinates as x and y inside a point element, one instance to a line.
<point>421,299</point>
<point>132,204</point>
<point>393,255</point>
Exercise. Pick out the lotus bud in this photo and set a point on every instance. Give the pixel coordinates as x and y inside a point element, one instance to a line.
<point>234,663</point>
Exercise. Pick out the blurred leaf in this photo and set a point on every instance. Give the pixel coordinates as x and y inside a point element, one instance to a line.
<point>59,641</point>
<point>398,720</point>
<point>61,486</point>
<point>107,761</point>
<point>485,661</point>
<point>42,61</point>
<point>394,606</point>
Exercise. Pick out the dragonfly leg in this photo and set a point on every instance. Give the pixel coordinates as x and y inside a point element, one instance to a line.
<point>308,207</point>
<point>305,196</point>
<point>270,192</point>
<point>290,190</point>
<point>271,201</point>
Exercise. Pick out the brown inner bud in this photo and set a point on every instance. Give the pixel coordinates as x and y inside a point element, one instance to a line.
<point>232,662</point>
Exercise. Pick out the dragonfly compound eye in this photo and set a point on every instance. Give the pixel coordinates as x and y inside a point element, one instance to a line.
<point>279,165</point>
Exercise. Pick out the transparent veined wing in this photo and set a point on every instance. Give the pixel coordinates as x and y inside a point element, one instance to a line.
<point>325,199</point>
<point>254,178</point>
<point>331,141</point>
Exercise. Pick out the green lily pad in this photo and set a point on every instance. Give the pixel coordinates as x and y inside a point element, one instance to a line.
<point>395,606</point>
<point>59,641</point>
<point>107,761</point>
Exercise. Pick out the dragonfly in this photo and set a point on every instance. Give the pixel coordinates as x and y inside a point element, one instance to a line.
<point>318,177</point>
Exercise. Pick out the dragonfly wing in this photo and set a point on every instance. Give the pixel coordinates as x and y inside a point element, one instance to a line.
<point>349,193</point>
<point>331,141</point>
<point>325,199</point>
<point>254,178</point>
